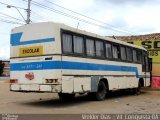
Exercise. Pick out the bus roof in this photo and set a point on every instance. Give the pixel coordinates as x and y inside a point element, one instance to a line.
<point>78,31</point>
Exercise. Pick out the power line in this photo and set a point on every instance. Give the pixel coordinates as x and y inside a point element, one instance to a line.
<point>79,13</point>
<point>9,21</point>
<point>11,5</point>
<point>71,16</point>
<point>39,15</point>
<point>85,16</point>
<point>76,18</point>
<point>11,16</point>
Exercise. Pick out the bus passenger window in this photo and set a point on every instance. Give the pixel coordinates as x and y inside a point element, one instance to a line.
<point>115,51</point>
<point>123,53</point>
<point>99,49</point>
<point>134,56</point>
<point>129,54</point>
<point>67,43</point>
<point>108,50</point>
<point>90,49</point>
<point>78,44</point>
<point>145,64</point>
<point>139,56</point>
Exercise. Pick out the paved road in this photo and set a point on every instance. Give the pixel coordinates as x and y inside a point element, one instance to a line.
<point>47,103</point>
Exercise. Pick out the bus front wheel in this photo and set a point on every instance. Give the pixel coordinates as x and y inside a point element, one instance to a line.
<point>137,90</point>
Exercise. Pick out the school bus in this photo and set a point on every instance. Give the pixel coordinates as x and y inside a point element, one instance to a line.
<point>53,57</point>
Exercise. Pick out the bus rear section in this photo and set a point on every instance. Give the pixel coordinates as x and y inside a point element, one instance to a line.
<point>35,59</point>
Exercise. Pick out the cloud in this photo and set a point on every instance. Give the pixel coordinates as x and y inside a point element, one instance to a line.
<point>80,5</point>
<point>130,2</point>
<point>5,52</point>
<point>135,16</point>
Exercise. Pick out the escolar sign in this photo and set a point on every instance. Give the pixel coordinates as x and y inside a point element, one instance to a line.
<point>31,51</point>
<point>153,48</point>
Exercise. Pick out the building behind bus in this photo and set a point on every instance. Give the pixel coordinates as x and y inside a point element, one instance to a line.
<point>4,68</point>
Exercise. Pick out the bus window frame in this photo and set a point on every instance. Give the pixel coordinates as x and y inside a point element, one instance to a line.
<point>118,50</point>
<point>78,54</point>
<point>84,55</point>
<point>144,66</point>
<point>69,53</point>
<point>139,50</point>
<point>125,53</point>
<point>88,56</point>
<point>103,56</point>
<point>108,42</point>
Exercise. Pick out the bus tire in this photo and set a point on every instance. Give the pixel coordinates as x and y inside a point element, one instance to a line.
<point>66,96</point>
<point>137,90</point>
<point>101,92</point>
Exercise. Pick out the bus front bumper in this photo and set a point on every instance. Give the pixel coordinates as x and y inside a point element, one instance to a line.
<point>36,87</point>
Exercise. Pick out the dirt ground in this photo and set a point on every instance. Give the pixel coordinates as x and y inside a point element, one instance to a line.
<point>49,103</point>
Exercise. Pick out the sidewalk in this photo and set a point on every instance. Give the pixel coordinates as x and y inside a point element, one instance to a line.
<point>151,89</point>
<point>4,79</point>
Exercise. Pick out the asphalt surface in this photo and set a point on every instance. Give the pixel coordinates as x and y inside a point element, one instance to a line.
<point>49,103</point>
<point>120,102</point>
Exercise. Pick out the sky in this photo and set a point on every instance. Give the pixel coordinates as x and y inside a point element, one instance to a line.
<point>111,17</point>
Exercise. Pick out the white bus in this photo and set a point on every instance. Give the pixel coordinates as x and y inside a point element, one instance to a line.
<point>52,57</point>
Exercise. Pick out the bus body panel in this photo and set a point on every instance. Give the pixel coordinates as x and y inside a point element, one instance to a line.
<point>44,35</point>
<point>116,79</point>
<point>38,66</point>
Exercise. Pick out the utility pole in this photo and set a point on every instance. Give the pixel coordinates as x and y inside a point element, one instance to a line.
<point>28,12</point>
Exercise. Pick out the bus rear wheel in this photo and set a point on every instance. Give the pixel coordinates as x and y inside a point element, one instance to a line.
<point>66,96</point>
<point>101,92</point>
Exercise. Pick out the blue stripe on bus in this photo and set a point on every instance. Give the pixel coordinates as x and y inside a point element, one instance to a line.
<point>15,40</point>
<point>69,65</point>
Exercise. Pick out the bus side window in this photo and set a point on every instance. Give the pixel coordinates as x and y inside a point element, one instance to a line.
<point>67,43</point>
<point>139,56</point>
<point>90,48</point>
<point>99,49</point>
<point>145,64</point>
<point>134,55</point>
<point>78,44</point>
<point>123,53</point>
<point>108,50</point>
<point>129,54</point>
<point>116,51</point>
